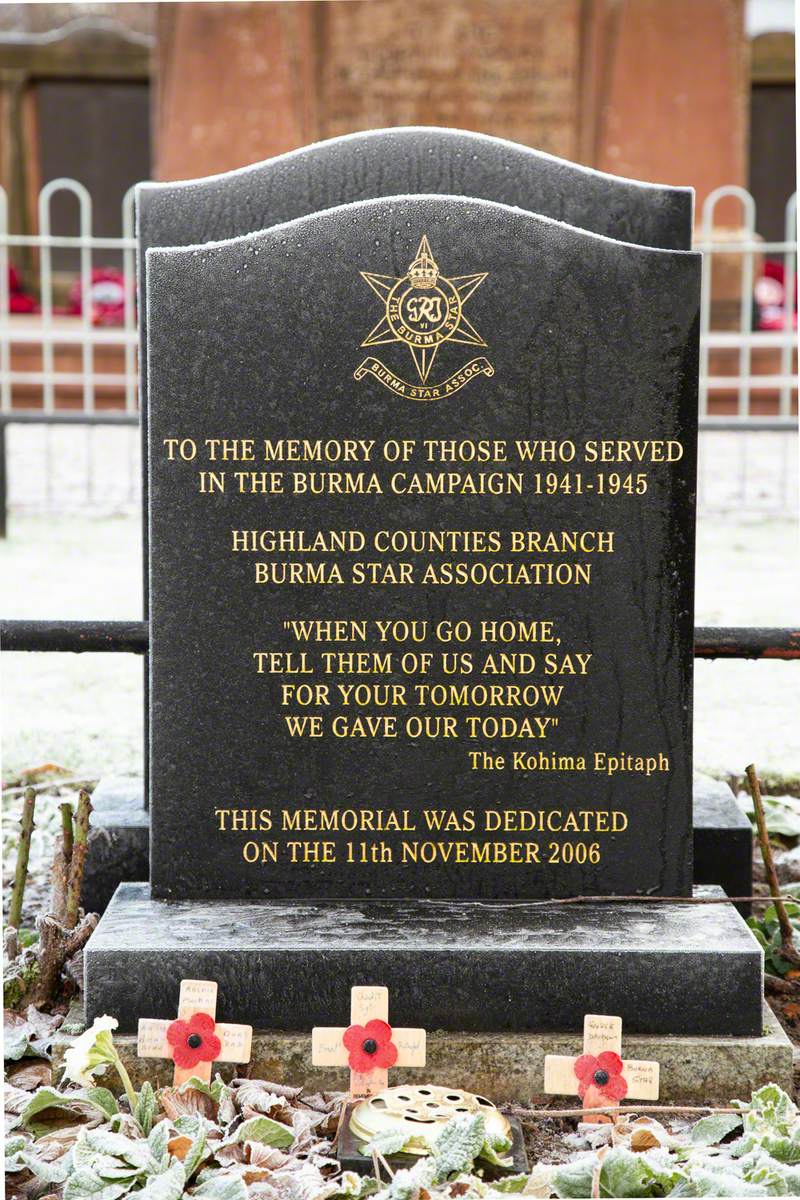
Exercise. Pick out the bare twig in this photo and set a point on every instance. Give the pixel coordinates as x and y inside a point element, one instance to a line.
<point>78,859</point>
<point>10,943</point>
<point>340,1121</point>
<point>788,950</point>
<point>56,946</point>
<point>49,785</point>
<point>782,987</point>
<point>67,833</point>
<point>628,1110</point>
<point>385,1164</point>
<point>59,874</point>
<point>23,854</point>
<point>752,899</point>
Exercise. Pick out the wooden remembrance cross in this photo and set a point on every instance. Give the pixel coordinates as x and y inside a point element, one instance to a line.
<point>369,1046</point>
<point>195,1041</point>
<point>600,1076</point>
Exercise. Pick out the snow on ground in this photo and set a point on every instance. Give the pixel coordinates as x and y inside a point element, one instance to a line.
<point>73,551</point>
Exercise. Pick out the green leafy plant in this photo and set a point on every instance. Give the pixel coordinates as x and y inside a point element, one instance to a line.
<point>458,1146</point>
<point>782,813</point>
<point>767,933</point>
<point>763,1161</point>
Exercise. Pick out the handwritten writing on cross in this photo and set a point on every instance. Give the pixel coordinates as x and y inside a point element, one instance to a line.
<point>195,1041</point>
<point>369,1046</point>
<point>600,1076</point>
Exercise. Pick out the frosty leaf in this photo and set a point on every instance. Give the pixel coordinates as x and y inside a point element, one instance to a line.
<point>216,1089</point>
<point>258,1096</point>
<point>405,1184</point>
<point>166,1186</point>
<point>222,1187</point>
<point>49,1172</point>
<point>103,1099</point>
<point>266,1131</point>
<point>198,1150</point>
<point>390,1141</point>
<point>719,1183</point>
<point>769,1106</point>
<point>157,1142</point>
<point>85,1185</point>
<point>145,1108</point>
<point>710,1130</point>
<point>458,1145</point>
<point>624,1173</point>
<point>354,1186</point>
<point>134,1152</point>
<point>511,1183</point>
<point>46,1098</point>
<point>15,1042</point>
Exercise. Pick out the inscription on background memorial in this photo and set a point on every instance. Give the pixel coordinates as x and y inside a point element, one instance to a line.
<point>422,478</point>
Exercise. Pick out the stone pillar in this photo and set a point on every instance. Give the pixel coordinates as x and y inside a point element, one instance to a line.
<point>234,84</point>
<point>665,91</point>
<point>237,83</point>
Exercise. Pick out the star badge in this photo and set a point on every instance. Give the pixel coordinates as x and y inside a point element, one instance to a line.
<point>423,309</point>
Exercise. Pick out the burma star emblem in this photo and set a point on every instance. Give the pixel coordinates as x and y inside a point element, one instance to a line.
<point>423,310</point>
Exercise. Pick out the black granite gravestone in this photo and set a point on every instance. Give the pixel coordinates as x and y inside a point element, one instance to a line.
<point>358,167</point>
<point>422,481</point>
<point>421,554</point>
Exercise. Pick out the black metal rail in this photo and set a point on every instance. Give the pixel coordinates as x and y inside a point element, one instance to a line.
<point>133,637</point>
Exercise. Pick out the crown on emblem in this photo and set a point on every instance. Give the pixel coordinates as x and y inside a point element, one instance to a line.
<point>423,272</point>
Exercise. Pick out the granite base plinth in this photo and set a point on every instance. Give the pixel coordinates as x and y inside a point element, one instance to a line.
<point>119,841</point>
<point>474,966</point>
<point>723,840</point>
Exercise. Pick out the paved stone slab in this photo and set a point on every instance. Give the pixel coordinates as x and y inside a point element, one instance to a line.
<point>455,965</point>
<point>509,1067</point>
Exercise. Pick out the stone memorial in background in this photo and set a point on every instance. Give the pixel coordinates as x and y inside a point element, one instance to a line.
<point>421,564</point>
<point>363,166</point>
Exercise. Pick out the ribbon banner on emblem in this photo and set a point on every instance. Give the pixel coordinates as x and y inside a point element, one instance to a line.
<point>422,391</point>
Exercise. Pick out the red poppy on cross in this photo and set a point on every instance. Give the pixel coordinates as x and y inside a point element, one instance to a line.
<point>600,1076</point>
<point>369,1046</point>
<point>195,1041</point>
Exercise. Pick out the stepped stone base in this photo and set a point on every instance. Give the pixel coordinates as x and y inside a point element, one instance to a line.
<point>723,840</point>
<point>121,840</point>
<point>473,966</point>
<point>506,1067</point>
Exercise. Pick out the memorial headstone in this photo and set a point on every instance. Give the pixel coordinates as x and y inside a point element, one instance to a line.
<point>422,511</point>
<point>363,166</point>
<point>422,522</point>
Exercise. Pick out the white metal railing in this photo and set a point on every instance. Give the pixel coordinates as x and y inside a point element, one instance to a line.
<point>46,331</point>
<point>783,381</point>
